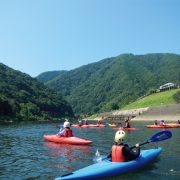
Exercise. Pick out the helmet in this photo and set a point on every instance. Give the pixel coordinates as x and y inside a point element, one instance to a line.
<point>66,124</point>
<point>120,135</point>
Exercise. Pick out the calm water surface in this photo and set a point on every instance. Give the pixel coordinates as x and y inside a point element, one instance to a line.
<point>24,154</point>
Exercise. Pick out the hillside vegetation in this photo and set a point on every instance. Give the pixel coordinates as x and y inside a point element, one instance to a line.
<point>112,83</point>
<point>24,98</point>
<point>47,76</point>
<point>156,99</point>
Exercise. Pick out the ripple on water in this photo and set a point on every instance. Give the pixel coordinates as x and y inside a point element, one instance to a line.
<point>24,154</point>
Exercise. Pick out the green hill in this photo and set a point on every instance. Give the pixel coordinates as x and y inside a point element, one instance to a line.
<point>114,82</point>
<point>24,98</point>
<point>48,76</point>
<point>156,99</point>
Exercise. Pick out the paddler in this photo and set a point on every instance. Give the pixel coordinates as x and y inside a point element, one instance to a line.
<point>156,122</point>
<point>127,124</point>
<point>162,123</point>
<point>99,122</point>
<point>121,152</point>
<point>80,122</point>
<point>86,122</point>
<point>66,131</point>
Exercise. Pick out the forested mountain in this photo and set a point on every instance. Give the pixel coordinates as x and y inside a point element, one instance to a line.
<point>47,76</point>
<point>114,82</point>
<point>25,98</point>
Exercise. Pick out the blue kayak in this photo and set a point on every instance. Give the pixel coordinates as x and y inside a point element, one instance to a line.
<point>106,168</point>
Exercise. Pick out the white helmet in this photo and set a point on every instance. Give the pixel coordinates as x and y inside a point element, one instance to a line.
<point>66,124</point>
<point>119,136</point>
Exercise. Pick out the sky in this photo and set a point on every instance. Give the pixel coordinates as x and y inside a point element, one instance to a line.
<point>46,35</point>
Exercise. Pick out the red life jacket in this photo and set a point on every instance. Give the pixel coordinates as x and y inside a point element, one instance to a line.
<point>128,125</point>
<point>68,133</point>
<point>117,155</point>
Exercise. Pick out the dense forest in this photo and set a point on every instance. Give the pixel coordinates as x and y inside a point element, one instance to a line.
<point>114,82</point>
<point>24,98</point>
<point>48,76</point>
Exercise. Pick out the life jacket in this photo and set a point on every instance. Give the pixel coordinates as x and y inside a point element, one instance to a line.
<point>117,154</point>
<point>68,133</point>
<point>128,125</point>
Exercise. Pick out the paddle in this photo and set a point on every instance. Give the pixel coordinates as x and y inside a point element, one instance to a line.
<point>54,124</point>
<point>159,136</point>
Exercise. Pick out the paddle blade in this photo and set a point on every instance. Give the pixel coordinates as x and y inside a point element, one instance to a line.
<point>160,136</point>
<point>98,159</point>
<point>97,153</point>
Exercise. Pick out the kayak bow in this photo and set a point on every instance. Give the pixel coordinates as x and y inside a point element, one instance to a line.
<point>106,168</point>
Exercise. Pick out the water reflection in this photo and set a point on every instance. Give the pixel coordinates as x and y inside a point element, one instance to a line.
<point>65,153</point>
<point>25,155</point>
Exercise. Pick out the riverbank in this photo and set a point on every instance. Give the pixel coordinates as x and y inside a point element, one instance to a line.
<point>169,113</point>
<point>164,112</point>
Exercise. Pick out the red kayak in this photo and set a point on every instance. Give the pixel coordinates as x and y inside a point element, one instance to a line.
<point>173,124</point>
<point>66,140</point>
<point>124,128</point>
<point>162,126</point>
<point>87,126</point>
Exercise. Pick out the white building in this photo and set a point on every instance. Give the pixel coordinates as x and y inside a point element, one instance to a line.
<point>167,86</point>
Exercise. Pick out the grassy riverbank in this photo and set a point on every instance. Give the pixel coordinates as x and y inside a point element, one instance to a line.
<point>156,99</point>
<point>161,99</point>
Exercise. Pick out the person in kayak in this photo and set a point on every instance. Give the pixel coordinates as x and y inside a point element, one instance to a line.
<point>67,120</point>
<point>127,124</point>
<point>66,132</point>
<point>155,122</point>
<point>80,123</point>
<point>86,122</point>
<point>162,123</point>
<point>120,151</point>
<point>99,122</point>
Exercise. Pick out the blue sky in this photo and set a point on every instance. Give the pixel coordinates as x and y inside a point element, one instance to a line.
<point>46,35</point>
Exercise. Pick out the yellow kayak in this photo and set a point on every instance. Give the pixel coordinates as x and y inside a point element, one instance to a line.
<point>112,125</point>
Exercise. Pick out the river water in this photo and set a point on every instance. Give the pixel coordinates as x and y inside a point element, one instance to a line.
<point>24,154</point>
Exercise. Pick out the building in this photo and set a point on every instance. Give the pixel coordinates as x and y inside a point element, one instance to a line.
<point>167,86</point>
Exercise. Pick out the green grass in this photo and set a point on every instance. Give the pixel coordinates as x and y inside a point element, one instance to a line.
<point>157,99</point>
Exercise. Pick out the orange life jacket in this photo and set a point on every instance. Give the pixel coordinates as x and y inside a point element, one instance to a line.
<point>68,133</point>
<point>117,155</point>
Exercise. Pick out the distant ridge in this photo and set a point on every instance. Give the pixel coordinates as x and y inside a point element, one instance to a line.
<point>48,76</point>
<point>114,82</point>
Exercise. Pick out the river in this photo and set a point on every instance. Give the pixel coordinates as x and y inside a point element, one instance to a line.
<point>24,154</point>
